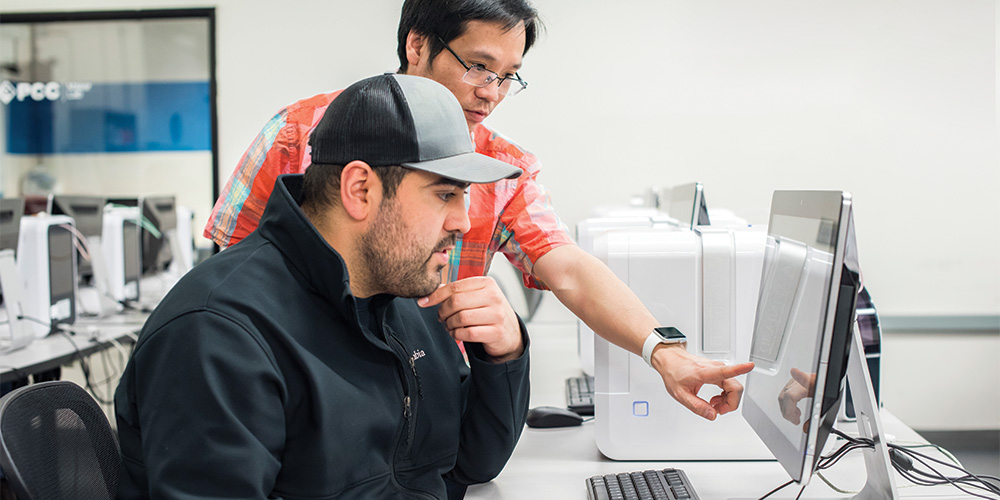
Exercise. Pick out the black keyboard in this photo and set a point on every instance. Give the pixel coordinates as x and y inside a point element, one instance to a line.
<point>666,484</point>
<point>580,395</point>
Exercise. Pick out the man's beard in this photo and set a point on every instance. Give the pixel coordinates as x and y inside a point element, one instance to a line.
<point>395,262</point>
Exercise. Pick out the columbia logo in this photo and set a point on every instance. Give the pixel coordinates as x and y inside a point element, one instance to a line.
<point>417,355</point>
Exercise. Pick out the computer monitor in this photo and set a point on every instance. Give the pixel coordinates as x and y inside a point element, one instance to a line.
<point>159,217</point>
<point>123,252</point>
<point>161,212</point>
<point>805,342</point>
<point>687,205</point>
<point>88,213</point>
<point>11,210</point>
<point>46,261</point>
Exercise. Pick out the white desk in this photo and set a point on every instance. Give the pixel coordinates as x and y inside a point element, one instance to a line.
<point>56,349</point>
<point>91,335</point>
<point>554,463</point>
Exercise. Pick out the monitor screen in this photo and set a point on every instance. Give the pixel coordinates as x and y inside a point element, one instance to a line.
<point>61,273</point>
<point>802,331</point>
<point>11,210</point>
<point>132,253</point>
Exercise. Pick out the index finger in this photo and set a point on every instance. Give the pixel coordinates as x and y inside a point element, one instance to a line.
<point>445,291</point>
<point>719,374</point>
<point>437,296</point>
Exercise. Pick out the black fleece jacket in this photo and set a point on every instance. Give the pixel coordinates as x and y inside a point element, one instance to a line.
<point>255,379</point>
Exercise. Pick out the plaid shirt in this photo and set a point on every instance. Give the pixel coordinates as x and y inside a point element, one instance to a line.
<point>513,216</point>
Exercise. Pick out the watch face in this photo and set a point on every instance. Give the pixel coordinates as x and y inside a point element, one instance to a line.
<point>670,334</point>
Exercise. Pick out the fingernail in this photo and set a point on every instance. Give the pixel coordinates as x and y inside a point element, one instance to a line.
<point>422,301</point>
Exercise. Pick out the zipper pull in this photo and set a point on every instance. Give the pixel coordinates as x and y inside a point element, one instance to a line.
<point>406,407</point>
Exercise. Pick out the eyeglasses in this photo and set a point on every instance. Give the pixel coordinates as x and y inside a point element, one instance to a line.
<point>478,76</point>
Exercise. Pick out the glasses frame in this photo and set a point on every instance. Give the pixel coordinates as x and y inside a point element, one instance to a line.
<point>512,90</point>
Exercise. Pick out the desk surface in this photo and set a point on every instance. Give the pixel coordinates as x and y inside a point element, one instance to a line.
<point>554,463</point>
<point>89,335</point>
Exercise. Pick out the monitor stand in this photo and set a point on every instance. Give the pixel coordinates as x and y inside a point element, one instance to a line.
<point>881,482</point>
<point>97,300</point>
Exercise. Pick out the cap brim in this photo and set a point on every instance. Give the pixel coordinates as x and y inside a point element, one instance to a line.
<point>473,168</point>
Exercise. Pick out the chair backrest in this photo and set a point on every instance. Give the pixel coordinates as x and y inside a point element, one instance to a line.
<point>56,443</point>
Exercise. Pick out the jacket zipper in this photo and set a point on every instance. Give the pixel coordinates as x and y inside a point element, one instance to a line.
<point>410,403</point>
<point>408,428</point>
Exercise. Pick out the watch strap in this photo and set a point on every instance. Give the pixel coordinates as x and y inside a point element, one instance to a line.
<point>647,347</point>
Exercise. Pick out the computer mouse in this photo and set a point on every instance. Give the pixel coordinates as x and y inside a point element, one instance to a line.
<point>551,416</point>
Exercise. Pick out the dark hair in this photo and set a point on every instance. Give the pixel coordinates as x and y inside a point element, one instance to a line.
<point>449,18</point>
<point>321,186</point>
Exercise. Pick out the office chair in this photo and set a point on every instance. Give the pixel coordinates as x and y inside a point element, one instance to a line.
<point>56,443</point>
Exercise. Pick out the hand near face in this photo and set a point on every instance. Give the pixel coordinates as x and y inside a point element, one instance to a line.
<point>475,310</point>
<point>684,374</point>
<point>802,385</point>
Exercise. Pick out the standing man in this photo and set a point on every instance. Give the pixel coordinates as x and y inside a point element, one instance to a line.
<point>297,365</point>
<point>475,49</point>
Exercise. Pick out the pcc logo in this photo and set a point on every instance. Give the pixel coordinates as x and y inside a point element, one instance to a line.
<point>42,91</point>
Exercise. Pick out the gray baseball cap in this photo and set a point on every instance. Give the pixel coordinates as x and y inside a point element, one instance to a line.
<point>405,120</point>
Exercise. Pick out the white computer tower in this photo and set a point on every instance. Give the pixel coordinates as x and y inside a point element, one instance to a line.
<point>46,262</point>
<point>705,282</point>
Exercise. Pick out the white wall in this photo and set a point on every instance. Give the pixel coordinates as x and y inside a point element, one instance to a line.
<point>893,100</point>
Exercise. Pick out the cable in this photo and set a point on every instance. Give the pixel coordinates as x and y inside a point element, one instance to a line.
<point>901,459</point>
<point>79,241</point>
<point>779,488</point>
<point>84,367</point>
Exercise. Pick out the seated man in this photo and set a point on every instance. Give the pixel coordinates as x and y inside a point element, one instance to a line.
<point>296,364</point>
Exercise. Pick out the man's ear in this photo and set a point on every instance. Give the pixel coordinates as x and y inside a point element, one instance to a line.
<point>360,190</point>
<point>417,48</point>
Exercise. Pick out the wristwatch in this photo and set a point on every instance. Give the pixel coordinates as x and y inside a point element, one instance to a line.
<point>660,335</point>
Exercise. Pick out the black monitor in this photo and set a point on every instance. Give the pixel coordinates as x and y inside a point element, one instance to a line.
<point>88,214</point>
<point>132,260</point>
<point>11,210</point>
<point>805,343</point>
<point>62,277</point>
<point>161,211</point>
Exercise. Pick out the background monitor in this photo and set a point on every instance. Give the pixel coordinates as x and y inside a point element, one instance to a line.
<point>11,210</point>
<point>62,277</point>
<point>88,213</point>
<point>161,212</point>
<point>804,326</point>
<point>687,205</point>
<point>133,258</point>
<point>47,265</point>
